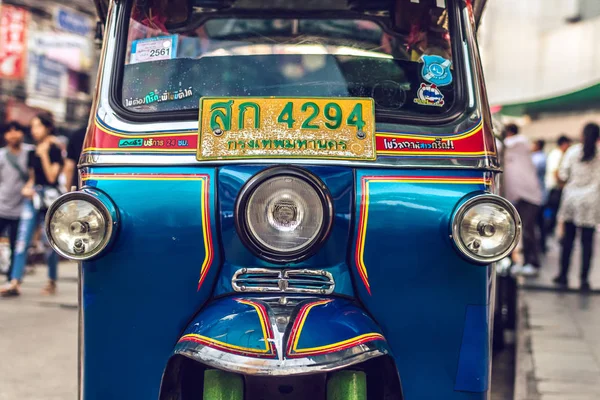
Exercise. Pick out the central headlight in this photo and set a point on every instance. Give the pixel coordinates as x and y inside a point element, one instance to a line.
<point>283,214</point>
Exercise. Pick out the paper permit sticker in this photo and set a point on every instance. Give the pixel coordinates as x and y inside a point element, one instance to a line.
<point>153,49</point>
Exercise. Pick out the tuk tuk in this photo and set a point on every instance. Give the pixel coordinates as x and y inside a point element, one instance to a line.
<point>287,199</point>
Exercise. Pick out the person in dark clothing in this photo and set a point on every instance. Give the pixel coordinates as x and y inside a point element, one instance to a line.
<point>13,176</point>
<point>74,149</point>
<point>539,161</point>
<point>45,164</point>
<point>553,183</point>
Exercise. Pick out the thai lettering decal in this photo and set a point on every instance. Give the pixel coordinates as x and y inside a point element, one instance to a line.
<point>437,144</point>
<point>159,97</point>
<point>294,142</point>
<point>463,144</point>
<point>245,127</point>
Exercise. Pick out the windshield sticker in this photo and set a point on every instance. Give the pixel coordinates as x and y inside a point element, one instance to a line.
<point>158,97</point>
<point>436,70</point>
<point>429,95</point>
<point>153,49</point>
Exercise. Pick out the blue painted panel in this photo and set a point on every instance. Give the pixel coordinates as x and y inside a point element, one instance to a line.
<point>333,254</point>
<point>473,368</point>
<point>140,296</point>
<point>420,286</point>
<point>335,322</point>
<point>239,326</point>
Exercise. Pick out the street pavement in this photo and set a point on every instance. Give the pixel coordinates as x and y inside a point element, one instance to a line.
<point>558,345</point>
<point>38,340</point>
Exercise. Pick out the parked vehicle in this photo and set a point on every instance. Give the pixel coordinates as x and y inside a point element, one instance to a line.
<point>287,200</point>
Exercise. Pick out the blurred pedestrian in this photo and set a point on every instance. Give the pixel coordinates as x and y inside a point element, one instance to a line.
<point>539,162</point>
<point>522,188</point>
<point>580,205</point>
<point>74,149</point>
<point>554,185</point>
<point>13,176</point>
<point>45,164</point>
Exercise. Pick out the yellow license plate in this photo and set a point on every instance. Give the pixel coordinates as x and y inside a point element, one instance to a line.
<point>281,127</point>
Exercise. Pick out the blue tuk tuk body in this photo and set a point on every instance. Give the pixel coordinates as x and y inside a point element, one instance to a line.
<point>178,291</point>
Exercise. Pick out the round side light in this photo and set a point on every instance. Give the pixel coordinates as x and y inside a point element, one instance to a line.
<point>80,225</point>
<point>486,228</point>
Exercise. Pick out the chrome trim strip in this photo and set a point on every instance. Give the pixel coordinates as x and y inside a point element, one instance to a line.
<point>281,281</point>
<point>464,207</point>
<point>285,367</point>
<point>80,336</point>
<point>97,160</point>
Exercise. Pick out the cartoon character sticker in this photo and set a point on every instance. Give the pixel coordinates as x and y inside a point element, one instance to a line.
<point>429,95</point>
<point>436,70</point>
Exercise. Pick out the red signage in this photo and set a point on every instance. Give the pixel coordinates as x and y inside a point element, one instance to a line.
<point>13,41</point>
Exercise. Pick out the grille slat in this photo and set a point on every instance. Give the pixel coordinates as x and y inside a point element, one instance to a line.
<point>284,281</point>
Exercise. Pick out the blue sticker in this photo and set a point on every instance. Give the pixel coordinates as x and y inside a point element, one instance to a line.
<point>436,70</point>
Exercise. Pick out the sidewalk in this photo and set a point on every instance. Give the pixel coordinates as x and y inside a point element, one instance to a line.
<point>38,339</point>
<point>66,296</point>
<point>558,338</point>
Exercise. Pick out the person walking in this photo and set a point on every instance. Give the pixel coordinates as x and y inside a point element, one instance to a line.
<point>74,149</point>
<point>45,164</point>
<point>539,162</point>
<point>554,186</point>
<point>580,205</point>
<point>522,188</point>
<point>13,176</point>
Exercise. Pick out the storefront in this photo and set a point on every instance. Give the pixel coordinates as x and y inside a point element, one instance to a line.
<point>47,60</point>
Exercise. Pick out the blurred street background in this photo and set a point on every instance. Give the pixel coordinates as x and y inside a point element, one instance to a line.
<point>542,65</point>
<point>48,60</point>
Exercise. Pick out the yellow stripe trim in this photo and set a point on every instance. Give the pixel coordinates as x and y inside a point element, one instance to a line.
<point>226,345</point>
<point>338,344</point>
<point>205,227</point>
<point>262,323</point>
<point>145,135</point>
<point>299,331</point>
<point>432,137</point>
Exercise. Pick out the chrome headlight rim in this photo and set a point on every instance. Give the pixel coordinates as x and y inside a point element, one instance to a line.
<point>466,206</point>
<point>248,239</point>
<point>110,221</point>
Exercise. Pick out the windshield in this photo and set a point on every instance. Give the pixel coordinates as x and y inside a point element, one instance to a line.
<point>405,70</point>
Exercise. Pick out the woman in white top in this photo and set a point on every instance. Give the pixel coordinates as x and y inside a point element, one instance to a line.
<point>580,205</point>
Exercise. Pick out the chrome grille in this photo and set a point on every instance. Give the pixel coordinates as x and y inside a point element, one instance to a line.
<point>248,280</point>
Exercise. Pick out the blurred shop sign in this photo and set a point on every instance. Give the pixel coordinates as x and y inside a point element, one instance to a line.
<point>50,77</point>
<point>58,107</point>
<point>71,50</point>
<point>13,41</point>
<point>72,21</point>
<point>20,112</point>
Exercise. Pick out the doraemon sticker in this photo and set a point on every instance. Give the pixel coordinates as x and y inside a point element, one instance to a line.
<point>436,70</point>
<point>429,95</point>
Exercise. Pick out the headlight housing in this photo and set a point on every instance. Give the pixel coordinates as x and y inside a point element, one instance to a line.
<point>283,214</point>
<point>486,228</point>
<point>80,225</point>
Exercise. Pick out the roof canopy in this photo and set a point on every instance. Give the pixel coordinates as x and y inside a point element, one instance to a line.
<point>478,7</point>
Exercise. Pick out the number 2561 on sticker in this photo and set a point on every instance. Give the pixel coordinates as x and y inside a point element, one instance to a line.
<point>153,49</point>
